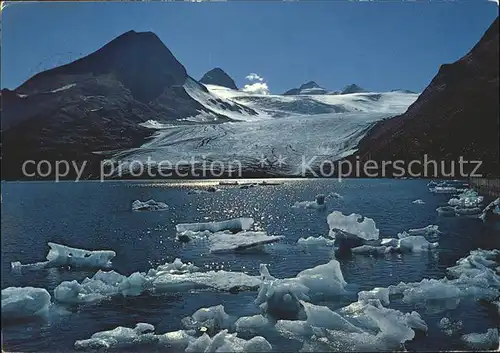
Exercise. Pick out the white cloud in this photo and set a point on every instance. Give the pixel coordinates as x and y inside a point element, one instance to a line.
<point>257,85</point>
<point>256,88</point>
<point>254,77</point>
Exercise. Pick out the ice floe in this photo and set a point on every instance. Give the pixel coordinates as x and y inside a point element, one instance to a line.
<point>315,241</point>
<point>119,337</point>
<point>168,278</point>
<point>24,302</point>
<point>482,341</point>
<point>143,333</point>
<point>227,241</point>
<point>491,211</point>
<point>450,327</point>
<point>281,297</point>
<point>419,202</point>
<point>150,205</point>
<point>318,203</point>
<point>473,277</point>
<point>235,225</point>
<point>212,319</point>
<point>468,198</point>
<point>352,230</point>
<point>65,256</point>
<point>361,326</point>
<point>208,190</point>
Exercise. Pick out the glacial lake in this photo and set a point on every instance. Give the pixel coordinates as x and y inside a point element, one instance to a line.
<point>94,215</point>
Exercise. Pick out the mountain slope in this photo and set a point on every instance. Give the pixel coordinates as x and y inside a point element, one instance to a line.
<point>308,88</point>
<point>218,77</point>
<point>100,102</point>
<point>456,115</point>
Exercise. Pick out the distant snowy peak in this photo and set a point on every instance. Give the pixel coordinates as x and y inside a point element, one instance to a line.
<point>308,88</point>
<point>218,77</point>
<point>352,88</point>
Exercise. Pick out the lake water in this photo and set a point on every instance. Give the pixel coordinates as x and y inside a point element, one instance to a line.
<point>95,215</point>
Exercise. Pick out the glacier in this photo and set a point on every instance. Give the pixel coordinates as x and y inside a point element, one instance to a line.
<point>334,125</point>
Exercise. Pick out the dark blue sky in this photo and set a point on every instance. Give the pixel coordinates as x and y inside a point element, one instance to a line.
<point>378,45</point>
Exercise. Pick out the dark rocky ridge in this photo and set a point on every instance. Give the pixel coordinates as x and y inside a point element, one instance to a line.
<point>311,86</point>
<point>352,88</point>
<point>456,115</point>
<point>218,77</point>
<point>96,103</point>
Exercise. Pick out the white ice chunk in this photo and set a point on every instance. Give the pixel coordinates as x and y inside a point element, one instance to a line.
<point>236,224</point>
<point>174,277</point>
<point>450,327</point>
<point>355,224</point>
<point>492,208</point>
<point>468,198</point>
<point>150,205</point>
<point>315,241</point>
<point>212,319</point>
<point>24,302</point>
<point>120,337</point>
<point>226,241</point>
<point>318,203</point>
<point>416,243</point>
<point>281,297</point>
<point>419,202</point>
<point>482,341</point>
<point>62,255</point>
<point>228,342</point>
<point>430,230</point>
<point>256,324</point>
<point>381,294</point>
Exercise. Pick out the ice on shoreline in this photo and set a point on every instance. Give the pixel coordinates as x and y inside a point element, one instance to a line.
<point>24,302</point>
<point>150,205</point>
<point>65,256</point>
<point>235,225</point>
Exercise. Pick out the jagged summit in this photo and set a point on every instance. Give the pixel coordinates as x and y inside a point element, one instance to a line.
<point>139,60</point>
<point>310,87</point>
<point>352,88</point>
<point>218,77</point>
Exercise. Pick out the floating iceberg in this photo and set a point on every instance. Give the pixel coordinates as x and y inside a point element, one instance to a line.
<point>315,241</point>
<point>256,324</point>
<point>450,327</point>
<point>351,231</point>
<point>482,341</point>
<point>228,342</point>
<point>445,190</point>
<point>281,297</point>
<point>229,182</point>
<point>335,195</point>
<point>318,203</point>
<point>24,302</point>
<point>474,277</point>
<point>234,225</point>
<point>120,337</point>
<point>168,278</point>
<point>430,230</point>
<point>212,319</point>
<point>405,243</point>
<point>381,294</point>
<point>63,256</point>
<point>419,202</point>
<point>468,198</point>
<point>226,241</point>
<point>361,326</point>
<point>150,205</point>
